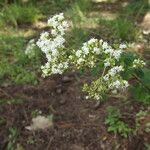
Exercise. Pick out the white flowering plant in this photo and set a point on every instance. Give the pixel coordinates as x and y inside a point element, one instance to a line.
<point>52,44</point>
<point>112,61</point>
<point>30,50</point>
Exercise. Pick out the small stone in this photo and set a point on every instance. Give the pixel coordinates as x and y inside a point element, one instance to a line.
<point>76,147</point>
<point>59,91</point>
<point>79,97</point>
<point>97,105</point>
<point>40,122</point>
<point>63,101</point>
<point>66,79</point>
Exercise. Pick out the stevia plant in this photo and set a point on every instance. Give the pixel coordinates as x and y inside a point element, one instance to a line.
<point>112,61</point>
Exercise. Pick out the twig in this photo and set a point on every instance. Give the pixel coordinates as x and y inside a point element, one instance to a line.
<point>52,109</point>
<point>8,95</point>
<point>93,142</point>
<point>49,143</point>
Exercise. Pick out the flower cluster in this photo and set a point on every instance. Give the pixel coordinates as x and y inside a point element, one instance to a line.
<point>110,80</point>
<point>116,83</point>
<point>137,63</point>
<point>59,24</point>
<point>30,49</point>
<point>91,50</point>
<point>86,55</point>
<point>52,44</point>
<point>93,53</point>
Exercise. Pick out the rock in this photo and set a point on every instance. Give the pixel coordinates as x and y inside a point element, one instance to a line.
<point>40,122</point>
<point>138,47</point>
<point>76,147</point>
<point>66,79</point>
<point>63,101</point>
<point>97,105</point>
<point>145,25</point>
<point>59,91</point>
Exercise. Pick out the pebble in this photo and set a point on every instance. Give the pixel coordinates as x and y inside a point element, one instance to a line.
<point>66,79</point>
<point>63,101</point>
<point>59,91</point>
<point>97,105</point>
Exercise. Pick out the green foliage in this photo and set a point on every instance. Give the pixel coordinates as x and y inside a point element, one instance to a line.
<point>143,122</point>
<point>141,90</point>
<point>115,124</point>
<point>147,146</point>
<point>15,66</point>
<point>125,30</point>
<point>76,37</point>
<point>13,133</point>
<point>135,8</point>
<point>19,14</point>
<point>35,113</point>
<point>10,102</point>
<point>140,77</point>
<point>2,121</point>
<point>120,29</point>
<point>78,11</point>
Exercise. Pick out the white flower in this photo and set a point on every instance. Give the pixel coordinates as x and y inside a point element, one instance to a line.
<point>116,69</point>
<point>97,97</point>
<point>78,53</point>
<point>106,77</point>
<point>92,64</point>
<point>91,41</point>
<point>30,49</point>
<point>97,50</point>
<point>60,17</point>
<point>80,60</point>
<point>105,45</point>
<point>119,85</point>
<point>54,52</point>
<point>54,32</point>
<point>100,41</point>
<point>117,54</point>
<point>65,24</point>
<point>125,84</point>
<point>123,46</point>
<point>85,49</point>
<point>107,64</point>
<point>44,35</point>
<point>115,84</point>
<point>65,65</point>
<point>114,91</point>
<point>109,51</point>
<point>138,63</point>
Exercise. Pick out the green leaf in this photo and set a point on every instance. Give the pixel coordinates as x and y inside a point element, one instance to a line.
<point>140,93</point>
<point>146,77</point>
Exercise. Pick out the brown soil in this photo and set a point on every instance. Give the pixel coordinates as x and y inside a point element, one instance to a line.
<point>77,126</point>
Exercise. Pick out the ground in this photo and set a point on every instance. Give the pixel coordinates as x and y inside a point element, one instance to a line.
<point>76,123</point>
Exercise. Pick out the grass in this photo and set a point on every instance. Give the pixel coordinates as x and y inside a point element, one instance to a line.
<point>13,134</point>
<point>15,14</point>
<point>15,66</point>
<point>10,102</point>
